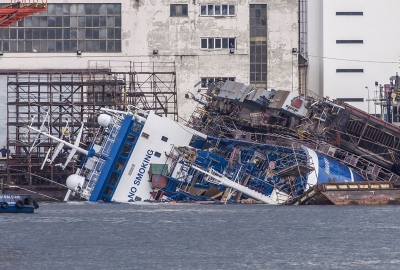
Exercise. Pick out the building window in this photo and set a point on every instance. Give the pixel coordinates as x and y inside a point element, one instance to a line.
<point>350,13</point>
<point>217,10</point>
<point>145,135</point>
<point>178,10</point>
<point>349,41</point>
<point>356,70</point>
<point>258,45</point>
<point>350,99</point>
<point>212,43</point>
<point>205,81</point>
<point>66,28</point>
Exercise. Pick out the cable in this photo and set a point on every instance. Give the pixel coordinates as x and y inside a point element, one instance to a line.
<point>354,60</point>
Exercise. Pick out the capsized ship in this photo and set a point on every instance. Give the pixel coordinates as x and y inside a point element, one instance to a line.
<point>242,144</point>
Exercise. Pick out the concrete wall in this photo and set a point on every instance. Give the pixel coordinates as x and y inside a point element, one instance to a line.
<point>315,38</point>
<point>378,55</point>
<point>3,110</point>
<point>147,25</point>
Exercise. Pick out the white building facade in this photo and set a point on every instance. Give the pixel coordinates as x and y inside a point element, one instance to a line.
<point>352,45</point>
<point>248,41</point>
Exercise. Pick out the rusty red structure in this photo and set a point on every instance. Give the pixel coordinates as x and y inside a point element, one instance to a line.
<point>352,193</point>
<point>17,10</point>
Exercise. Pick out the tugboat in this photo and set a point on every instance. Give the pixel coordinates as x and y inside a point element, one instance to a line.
<point>17,203</point>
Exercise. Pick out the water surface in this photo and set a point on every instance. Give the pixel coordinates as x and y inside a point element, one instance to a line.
<point>188,236</point>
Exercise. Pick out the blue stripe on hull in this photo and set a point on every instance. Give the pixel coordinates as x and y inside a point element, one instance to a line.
<point>334,170</point>
<point>14,209</point>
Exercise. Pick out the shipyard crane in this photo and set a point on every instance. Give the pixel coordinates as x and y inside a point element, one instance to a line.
<point>18,10</point>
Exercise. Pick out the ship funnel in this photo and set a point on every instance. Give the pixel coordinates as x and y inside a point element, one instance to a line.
<point>104,120</point>
<point>75,182</point>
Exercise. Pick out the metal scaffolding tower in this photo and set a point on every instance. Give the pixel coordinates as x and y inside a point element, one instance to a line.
<point>75,96</point>
<point>303,47</point>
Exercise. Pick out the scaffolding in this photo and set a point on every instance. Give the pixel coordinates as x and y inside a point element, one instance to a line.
<point>17,10</point>
<point>303,47</point>
<point>75,97</point>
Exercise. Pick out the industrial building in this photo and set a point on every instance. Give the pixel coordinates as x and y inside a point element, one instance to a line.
<point>77,56</point>
<point>353,53</point>
<point>245,41</point>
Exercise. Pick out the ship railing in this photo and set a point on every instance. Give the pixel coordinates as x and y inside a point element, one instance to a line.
<point>110,139</point>
<point>93,174</point>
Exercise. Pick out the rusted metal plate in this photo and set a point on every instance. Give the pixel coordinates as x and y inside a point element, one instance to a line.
<point>363,193</point>
<point>370,197</point>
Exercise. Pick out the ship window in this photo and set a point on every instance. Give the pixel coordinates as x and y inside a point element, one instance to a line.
<point>163,138</point>
<point>131,137</point>
<point>126,149</point>
<point>157,154</point>
<point>145,135</point>
<point>119,166</point>
<point>113,179</point>
<point>136,127</point>
<point>108,191</point>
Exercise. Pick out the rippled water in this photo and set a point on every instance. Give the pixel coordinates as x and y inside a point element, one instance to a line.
<point>187,236</point>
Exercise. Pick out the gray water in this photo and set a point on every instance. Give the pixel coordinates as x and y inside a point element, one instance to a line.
<point>188,236</point>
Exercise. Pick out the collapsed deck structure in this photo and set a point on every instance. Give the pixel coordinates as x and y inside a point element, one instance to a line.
<point>236,110</point>
<point>364,143</point>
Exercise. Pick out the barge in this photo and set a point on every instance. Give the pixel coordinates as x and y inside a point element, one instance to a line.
<point>360,193</point>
